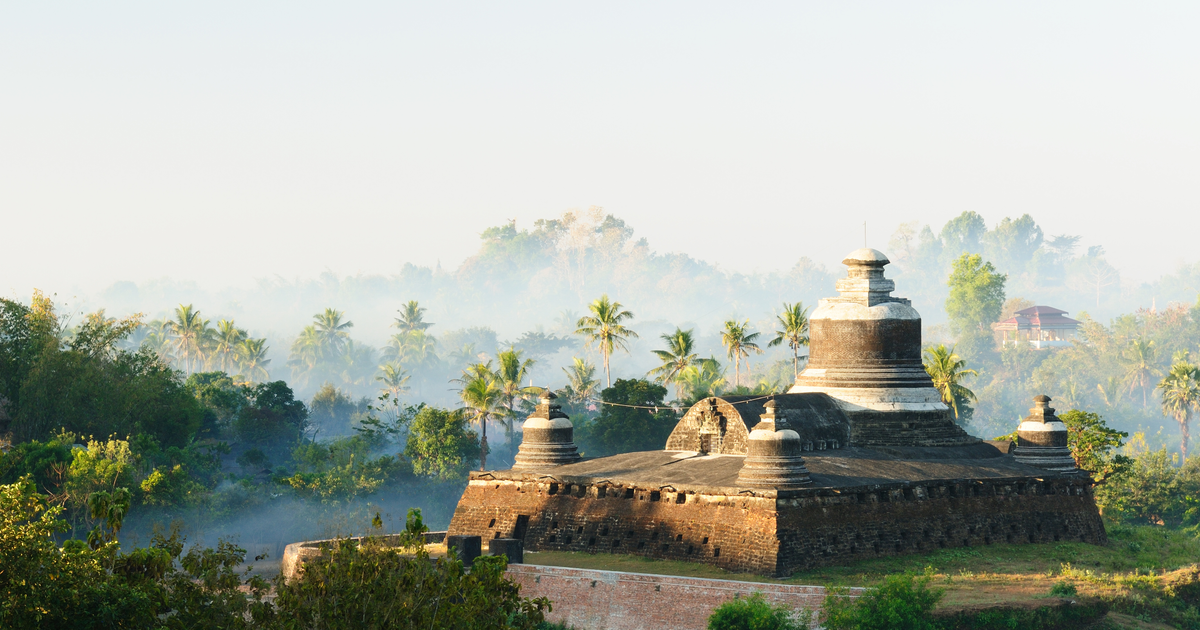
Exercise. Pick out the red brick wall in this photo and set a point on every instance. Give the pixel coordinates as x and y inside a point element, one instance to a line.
<point>608,600</point>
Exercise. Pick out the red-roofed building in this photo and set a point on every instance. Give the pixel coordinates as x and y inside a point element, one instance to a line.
<point>1041,326</point>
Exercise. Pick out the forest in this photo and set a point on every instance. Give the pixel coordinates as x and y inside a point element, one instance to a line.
<point>218,426</point>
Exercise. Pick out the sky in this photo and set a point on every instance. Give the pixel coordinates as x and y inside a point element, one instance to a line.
<point>220,142</point>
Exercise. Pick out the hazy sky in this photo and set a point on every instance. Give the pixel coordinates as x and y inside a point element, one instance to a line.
<point>223,141</point>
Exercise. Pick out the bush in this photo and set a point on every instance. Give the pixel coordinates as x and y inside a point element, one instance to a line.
<point>753,613</point>
<point>1063,589</point>
<point>902,602</point>
<point>441,445</point>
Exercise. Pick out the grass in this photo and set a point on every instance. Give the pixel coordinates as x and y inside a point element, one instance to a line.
<point>1146,575</point>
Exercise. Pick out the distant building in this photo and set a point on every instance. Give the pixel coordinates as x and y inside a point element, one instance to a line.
<point>1041,326</point>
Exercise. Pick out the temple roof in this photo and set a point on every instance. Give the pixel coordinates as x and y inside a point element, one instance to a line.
<point>1039,317</point>
<point>832,469</point>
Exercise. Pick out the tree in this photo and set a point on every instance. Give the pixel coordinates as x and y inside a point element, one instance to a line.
<point>511,370</point>
<point>251,358</point>
<point>273,415</point>
<point>739,342</point>
<point>227,338</point>
<point>948,370</point>
<point>394,380</point>
<point>976,295</point>
<point>331,330</point>
<point>191,332</point>
<point>441,445</point>
<point>412,318</point>
<point>1141,358</point>
<point>635,418</point>
<point>678,357</point>
<point>976,298</point>
<point>1093,444</point>
<point>482,396</point>
<point>793,328</point>
<point>581,385</point>
<point>1180,397</point>
<point>703,379</point>
<point>604,329</point>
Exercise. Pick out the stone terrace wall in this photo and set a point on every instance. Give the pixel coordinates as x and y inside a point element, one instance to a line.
<point>848,526</point>
<point>732,532</point>
<point>608,600</point>
<point>770,536</point>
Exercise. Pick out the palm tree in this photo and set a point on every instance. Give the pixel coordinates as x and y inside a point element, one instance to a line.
<point>332,330</point>
<point>703,378</point>
<point>793,328</point>
<point>1140,358</point>
<point>412,318</point>
<point>307,353</point>
<point>948,371</point>
<point>510,371</point>
<point>395,384</point>
<point>604,328</point>
<point>228,336</point>
<point>355,364</point>
<point>190,332</point>
<point>481,395</point>
<point>678,357</point>
<point>1181,396</point>
<point>251,358</point>
<point>739,342</point>
<point>581,381</point>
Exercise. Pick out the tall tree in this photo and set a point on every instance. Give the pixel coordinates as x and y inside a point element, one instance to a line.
<point>190,332</point>
<point>793,328</point>
<point>679,356</point>
<point>251,358</point>
<point>511,370</point>
<point>739,342</point>
<point>332,330</point>
<point>1141,366</point>
<point>412,318</point>
<point>581,381</point>
<point>975,301</point>
<point>948,370</point>
<point>482,397</point>
<point>1180,397</point>
<point>227,338</point>
<point>704,378</point>
<point>604,328</point>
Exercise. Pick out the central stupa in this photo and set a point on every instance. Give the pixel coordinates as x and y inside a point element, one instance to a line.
<point>865,353</point>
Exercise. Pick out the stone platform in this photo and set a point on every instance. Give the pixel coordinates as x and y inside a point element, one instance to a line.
<point>862,503</point>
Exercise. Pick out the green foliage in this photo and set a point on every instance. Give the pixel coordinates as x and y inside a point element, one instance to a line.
<point>341,469</point>
<point>220,399</point>
<point>976,296</point>
<point>622,429</point>
<point>273,416</point>
<point>754,613</point>
<point>1064,589</point>
<point>1155,490</point>
<point>948,371</point>
<point>441,445</point>
<point>1093,444</point>
<point>368,585</point>
<point>902,602</point>
<point>45,462</point>
<point>333,412</point>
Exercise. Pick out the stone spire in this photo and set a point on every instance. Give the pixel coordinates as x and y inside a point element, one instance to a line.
<point>773,454</point>
<point>548,437</point>
<point>864,282</point>
<point>1042,439</point>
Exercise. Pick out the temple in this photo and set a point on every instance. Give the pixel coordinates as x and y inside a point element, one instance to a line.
<point>860,458</point>
<point>1039,326</point>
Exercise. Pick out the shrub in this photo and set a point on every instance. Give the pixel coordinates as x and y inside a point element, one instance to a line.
<point>753,613</point>
<point>902,602</point>
<point>1063,589</point>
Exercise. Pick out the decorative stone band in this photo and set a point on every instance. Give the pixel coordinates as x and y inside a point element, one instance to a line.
<point>853,399</point>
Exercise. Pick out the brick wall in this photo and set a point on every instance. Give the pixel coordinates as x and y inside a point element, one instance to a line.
<point>777,536</point>
<point>609,600</point>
